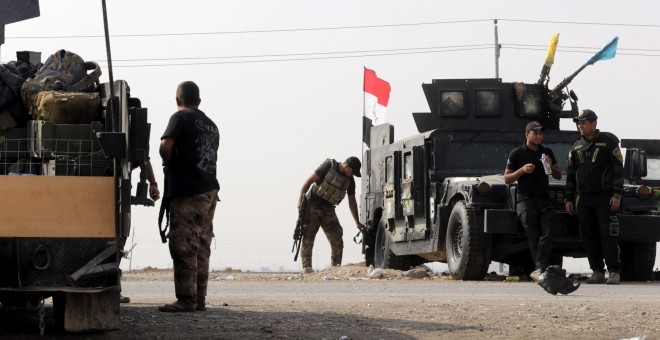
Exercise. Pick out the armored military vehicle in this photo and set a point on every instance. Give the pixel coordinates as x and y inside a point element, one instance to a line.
<point>440,195</point>
<point>66,209</point>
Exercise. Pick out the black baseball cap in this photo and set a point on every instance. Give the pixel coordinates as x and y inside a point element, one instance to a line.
<point>586,115</point>
<point>536,126</point>
<point>355,165</point>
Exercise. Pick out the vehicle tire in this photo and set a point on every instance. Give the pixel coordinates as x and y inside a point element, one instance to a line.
<point>384,258</point>
<point>369,257</point>
<point>637,260</point>
<point>368,244</point>
<point>468,247</point>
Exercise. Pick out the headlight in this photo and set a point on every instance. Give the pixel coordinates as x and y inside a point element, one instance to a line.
<point>643,192</point>
<point>483,188</point>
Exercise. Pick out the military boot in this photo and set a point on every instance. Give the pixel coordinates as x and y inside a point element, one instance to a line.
<point>597,277</point>
<point>613,279</point>
<point>201,304</point>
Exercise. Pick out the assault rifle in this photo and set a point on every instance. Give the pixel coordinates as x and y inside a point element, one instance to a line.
<point>300,223</point>
<point>164,209</point>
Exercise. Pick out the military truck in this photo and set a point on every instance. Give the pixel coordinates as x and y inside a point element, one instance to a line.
<point>66,211</point>
<point>66,208</point>
<point>440,195</point>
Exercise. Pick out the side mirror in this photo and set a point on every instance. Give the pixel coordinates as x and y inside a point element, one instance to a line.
<point>635,165</point>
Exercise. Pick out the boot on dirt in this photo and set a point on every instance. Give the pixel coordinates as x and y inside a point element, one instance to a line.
<point>613,279</point>
<point>597,277</point>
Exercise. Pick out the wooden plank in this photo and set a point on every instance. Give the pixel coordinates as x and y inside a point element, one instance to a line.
<point>57,206</point>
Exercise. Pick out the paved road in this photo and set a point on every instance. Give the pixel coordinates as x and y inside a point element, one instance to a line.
<point>375,309</point>
<point>370,291</point>
<point>426,309</point>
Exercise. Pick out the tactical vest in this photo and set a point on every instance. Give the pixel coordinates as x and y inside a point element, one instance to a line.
<point>334,185</point>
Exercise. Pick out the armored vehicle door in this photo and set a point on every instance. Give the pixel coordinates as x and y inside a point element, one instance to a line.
<point>392,179</point>
<point>413,193</point>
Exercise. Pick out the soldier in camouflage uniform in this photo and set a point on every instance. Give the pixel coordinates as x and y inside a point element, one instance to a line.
<point>330,183</point>
<point>594,185</point>
<point>189,150</point>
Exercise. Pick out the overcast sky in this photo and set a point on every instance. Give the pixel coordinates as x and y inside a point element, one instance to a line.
<point>283,81</point>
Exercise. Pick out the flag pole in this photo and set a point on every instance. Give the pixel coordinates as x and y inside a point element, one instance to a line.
<point>364,114</point>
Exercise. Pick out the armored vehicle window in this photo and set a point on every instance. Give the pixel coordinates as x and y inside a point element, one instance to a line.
<point>561,153</point>
<point>488,103</point>
<point>389,170</point>
<point>452,104</point>
<point>407,166</point>
<point>653,168</point>
<point>531,104</point>
<point>489,157</point>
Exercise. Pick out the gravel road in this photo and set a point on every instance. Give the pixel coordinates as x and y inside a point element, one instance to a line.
<point>284,306</point>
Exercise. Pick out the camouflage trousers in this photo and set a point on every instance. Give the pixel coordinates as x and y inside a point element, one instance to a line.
<point>326,218</point>
<point>191,233</point>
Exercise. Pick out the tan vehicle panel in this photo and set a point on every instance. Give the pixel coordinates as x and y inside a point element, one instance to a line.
<point>56,206</point>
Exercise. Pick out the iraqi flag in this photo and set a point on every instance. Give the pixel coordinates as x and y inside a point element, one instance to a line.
<point>376,97</point>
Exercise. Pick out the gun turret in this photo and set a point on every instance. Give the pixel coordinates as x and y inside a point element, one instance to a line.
<point>556,96</point>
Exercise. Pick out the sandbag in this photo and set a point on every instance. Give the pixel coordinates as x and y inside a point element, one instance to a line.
<point>62,71</point>
<point>67,107</point>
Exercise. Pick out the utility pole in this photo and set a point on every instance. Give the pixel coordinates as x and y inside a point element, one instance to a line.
<point>497,76</point>
<point>497,51</point>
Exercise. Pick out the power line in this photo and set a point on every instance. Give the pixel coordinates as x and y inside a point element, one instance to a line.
<point>587,52</point>
<point>301,59</point>
<point>305,29</point>
<point>580,23</point>
<point>366,53</point>
<point>563,48</point>
<point>306,54</point>
<point>255,31</point>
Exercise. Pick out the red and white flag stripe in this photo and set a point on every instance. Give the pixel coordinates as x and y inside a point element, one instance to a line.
<point>376,97</point>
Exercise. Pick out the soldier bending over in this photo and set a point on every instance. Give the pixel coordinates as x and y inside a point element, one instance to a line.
<point>330,182</point>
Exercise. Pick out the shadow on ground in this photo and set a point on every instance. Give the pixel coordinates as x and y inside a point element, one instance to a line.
<point>139,322</point>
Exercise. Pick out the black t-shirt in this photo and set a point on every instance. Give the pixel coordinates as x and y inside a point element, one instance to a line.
<point>193,167</point>
<point>323,170</point>
<point>534,184</point>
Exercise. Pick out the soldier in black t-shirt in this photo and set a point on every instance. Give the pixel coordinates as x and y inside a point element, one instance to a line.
<point>189,148</point>
<point>533,204</point>
<point>330,182</point>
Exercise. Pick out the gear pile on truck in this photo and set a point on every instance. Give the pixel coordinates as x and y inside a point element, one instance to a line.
<point>66,156</point>
<point>440,195</point>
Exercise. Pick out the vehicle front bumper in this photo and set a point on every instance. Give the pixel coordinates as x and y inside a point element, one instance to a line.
<point>631,227</point>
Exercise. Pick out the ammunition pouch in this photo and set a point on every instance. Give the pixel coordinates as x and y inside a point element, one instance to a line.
<point>333,187</point>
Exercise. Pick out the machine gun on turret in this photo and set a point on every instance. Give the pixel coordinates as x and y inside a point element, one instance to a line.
<point>557,97</point>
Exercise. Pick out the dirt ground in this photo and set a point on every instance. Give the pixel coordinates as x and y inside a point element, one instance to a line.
<point>353,302</point>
